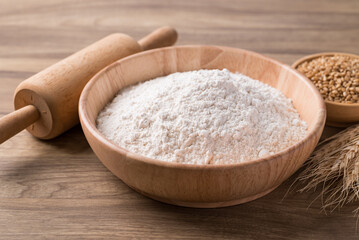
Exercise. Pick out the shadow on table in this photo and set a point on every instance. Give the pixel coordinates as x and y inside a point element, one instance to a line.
<point>72,141</point>
<point>27,155</point>
<point>264,218</point>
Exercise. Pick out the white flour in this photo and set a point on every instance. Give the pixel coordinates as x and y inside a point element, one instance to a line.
<point>202,117</point>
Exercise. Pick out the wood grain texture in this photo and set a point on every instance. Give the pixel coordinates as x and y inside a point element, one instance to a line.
<point>202,186</point>
<point>58,189</point>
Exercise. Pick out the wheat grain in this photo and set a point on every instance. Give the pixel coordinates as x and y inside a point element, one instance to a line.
<point>336,77</point>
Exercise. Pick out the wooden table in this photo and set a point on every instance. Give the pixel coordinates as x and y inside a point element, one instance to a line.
<point>58,189</point>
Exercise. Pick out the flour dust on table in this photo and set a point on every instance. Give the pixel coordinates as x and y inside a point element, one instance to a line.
<point>202,117</point>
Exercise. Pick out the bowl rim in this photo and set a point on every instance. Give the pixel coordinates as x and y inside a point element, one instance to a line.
<point>318,124</point>
<point>317,55</point>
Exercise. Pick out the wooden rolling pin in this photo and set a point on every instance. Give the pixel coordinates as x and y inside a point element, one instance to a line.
<point>46,103</point>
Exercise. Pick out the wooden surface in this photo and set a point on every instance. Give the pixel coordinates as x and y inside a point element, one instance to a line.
<point>59,190</point>
<point>202,186</point>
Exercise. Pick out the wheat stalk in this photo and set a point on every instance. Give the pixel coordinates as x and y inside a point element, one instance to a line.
<point>334,165</point>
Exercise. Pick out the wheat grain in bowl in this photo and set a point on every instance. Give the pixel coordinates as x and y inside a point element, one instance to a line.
<point>336,76</point>
<point>202,117</point>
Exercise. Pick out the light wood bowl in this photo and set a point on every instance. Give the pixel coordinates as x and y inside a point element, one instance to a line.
<point>338,114</point>
<point>204,186</point>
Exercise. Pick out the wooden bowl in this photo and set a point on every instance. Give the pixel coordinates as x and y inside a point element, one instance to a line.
<point>204,186</point>
<point>338,114</point>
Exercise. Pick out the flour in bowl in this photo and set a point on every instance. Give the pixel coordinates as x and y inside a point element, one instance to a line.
<point>202,117</point>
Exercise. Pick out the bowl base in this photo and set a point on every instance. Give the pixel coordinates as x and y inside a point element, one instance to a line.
<point>207,204</point>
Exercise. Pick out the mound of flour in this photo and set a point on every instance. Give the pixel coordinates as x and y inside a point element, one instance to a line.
<point>202,117</point>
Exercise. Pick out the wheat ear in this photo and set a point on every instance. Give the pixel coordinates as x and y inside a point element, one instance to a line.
<point>334,165</point>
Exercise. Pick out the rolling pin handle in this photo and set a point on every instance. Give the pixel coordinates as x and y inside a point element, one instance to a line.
<point>17,121</point>
<point>161,37</point>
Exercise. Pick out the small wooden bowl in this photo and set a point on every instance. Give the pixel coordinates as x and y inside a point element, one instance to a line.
<point>204,186</point>
<point>338,114</point>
